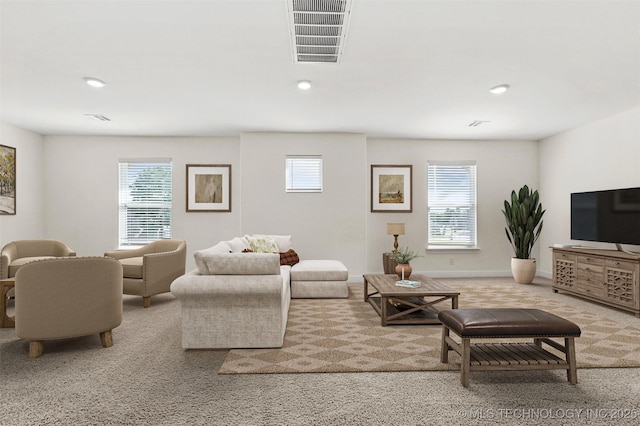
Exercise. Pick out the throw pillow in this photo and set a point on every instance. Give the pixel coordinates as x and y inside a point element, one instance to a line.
<point>289,258</point>
<point>282,241</point>
<point>238,244</point>
<point>221,247</point>
<point>262,244</point>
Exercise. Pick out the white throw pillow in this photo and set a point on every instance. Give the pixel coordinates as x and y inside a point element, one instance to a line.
<point>198,256</point>
<point>239,244</point>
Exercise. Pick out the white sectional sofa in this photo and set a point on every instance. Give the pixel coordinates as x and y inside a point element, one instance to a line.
<point>239,295</point>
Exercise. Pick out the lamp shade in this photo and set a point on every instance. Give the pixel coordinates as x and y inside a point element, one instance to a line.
<point>395,228</point>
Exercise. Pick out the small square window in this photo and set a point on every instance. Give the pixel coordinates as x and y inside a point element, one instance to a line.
<point>303,173</point>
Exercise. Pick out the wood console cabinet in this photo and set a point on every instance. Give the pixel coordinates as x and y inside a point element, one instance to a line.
<point>606,276</point>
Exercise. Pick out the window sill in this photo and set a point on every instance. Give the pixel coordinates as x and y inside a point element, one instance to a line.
<point>448,249</point>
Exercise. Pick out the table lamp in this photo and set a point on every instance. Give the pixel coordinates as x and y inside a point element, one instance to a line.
<point>395,229</point>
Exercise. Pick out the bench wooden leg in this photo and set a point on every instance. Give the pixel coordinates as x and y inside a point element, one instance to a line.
<point>465,363</point>
<point>444,350</point>
<point>572,373</point>
<point>146,301</point>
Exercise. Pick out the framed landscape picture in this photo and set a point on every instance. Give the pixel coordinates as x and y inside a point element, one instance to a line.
<point>391,188</point>
<point>7,180</point>
<point>208,187</point>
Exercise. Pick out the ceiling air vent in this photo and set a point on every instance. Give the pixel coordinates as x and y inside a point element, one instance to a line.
<point>477,123</point>
<point>318,29</point>
<point>98,117</point>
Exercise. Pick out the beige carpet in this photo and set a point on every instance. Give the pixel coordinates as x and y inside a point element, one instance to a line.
<point>344,335</point>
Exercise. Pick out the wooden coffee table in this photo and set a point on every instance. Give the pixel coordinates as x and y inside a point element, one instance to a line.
<point>7,284</point>
<point>403,305</point>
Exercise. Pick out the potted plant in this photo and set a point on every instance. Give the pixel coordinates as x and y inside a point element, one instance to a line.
<point>524,224</point>
<point>403,256</point>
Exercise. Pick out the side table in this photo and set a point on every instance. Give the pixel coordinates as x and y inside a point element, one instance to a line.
<point>6,321</point>
<point>389,264</point>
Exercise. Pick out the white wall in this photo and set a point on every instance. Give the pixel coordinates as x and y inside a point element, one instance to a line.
<point>501,167</point>
<point>28,222</point>
<point>81,181</point>
<point>601,155</point>
<point>327,225</point>
<point>81,177</point>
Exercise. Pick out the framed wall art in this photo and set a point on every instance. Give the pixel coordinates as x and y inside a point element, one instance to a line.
<point>208,187</point>
<point>391,188</point>
<point>7,180</point>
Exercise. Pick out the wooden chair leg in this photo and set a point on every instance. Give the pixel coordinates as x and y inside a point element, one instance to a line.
<point>146,301</point>
<point>35,348</point>
<point>106,338</point>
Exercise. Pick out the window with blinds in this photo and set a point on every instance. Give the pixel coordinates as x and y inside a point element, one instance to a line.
<point>303,173</point>
<point>451,205</point>
<point>145,201</point>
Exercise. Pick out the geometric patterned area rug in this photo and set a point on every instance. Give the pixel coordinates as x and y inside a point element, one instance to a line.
<point>345,335</point>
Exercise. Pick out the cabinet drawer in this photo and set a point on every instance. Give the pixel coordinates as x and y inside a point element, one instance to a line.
<point>591,290</point>
<point>588,269</point>
<point>590,280</point>
<point>564,256</point>
<point>621,264</point>
<point>591,260</point>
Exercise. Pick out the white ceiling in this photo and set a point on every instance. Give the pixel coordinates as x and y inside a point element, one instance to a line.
<point>411,69</point>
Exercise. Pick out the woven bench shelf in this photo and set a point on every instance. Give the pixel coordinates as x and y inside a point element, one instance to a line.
<point>515,354</point>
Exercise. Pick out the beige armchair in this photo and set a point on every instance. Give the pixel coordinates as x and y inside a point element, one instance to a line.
<point>68,297</point>
<point>151,269</point>
<point>17,253</point>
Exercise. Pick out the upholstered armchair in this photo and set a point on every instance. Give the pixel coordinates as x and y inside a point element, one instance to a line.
<point>17,253</point>
<point>68,297</point>
<point>151,269</point>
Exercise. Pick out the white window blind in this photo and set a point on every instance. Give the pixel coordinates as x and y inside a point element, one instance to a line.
<point>451,208</point>
<point>145,201</point>
<point>303,173</point>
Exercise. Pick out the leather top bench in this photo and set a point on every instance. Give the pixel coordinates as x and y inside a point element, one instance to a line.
<point>507,322</point>
<point>499,323</point>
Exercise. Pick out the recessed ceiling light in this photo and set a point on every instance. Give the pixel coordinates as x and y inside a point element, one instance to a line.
<point>497,90</point>
<point>94,82</point>
<point>304,85</point>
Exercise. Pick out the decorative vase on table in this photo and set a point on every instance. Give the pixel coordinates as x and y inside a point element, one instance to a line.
<point>403,270</point>
<point>403,256</point>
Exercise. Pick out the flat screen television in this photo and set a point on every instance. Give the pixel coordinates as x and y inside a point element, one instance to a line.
<point>611,216</point>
